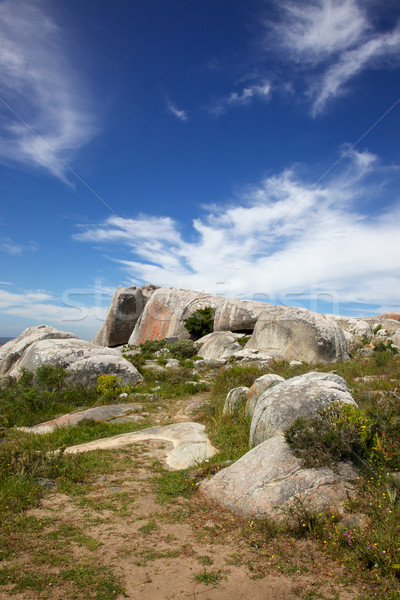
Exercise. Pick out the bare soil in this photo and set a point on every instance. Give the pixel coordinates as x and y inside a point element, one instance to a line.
<point>185,550</point>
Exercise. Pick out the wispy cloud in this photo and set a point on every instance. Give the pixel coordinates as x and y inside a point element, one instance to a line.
<point>44,110</point>
<point>284,236</point>
<point>242,98</point>
<point>78,310</point>
<point>330,42</point>
<point>181,115</point>
<point>6,245</point>
<point>10,247</point>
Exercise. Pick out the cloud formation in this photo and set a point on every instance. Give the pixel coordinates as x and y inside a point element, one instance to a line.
<point>181,115</point>
<point>243,98</point>
<point>9,247</point>
<point>332,41</point>
<point>71,312</point>
<point>284,237</point>
<point>44,112</point>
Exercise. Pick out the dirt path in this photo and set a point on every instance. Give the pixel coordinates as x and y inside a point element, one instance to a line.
<point>186,549</point>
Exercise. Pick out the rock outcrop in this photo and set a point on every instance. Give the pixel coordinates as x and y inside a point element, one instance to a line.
<point>125,309</point>
<point>298,334</point>
<point>12,352</point>
<point>166,311</point>
<point>302,396</point>
<point>239,316</point>
<point>84,361</point>
<point>266,482</point>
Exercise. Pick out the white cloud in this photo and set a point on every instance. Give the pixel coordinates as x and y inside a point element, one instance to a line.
<point>181,115</point>
<point>79,310</point>
<point>10,247</point>
<point>45,114</point>
<point>332,41</point>
<point>372,53</point>
<point>285,237</point>
<point>314,30</point>
<point>6,245</point>
<point>242,98</point>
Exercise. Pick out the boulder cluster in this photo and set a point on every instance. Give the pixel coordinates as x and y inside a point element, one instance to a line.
<point>269,479</point>
<point>272,332</point>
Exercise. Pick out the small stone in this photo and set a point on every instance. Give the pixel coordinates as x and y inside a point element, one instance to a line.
<point>47,484</point>
<point>210,525</point>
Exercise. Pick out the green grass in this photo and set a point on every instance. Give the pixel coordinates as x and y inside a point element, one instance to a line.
<point>173,383</point>
<point>208,577</point>
<point>148,528</point>
<point>171,484</point>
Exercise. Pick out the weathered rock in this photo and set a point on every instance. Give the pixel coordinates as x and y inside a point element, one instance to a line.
<point>83,360</point>
<point>246,354</point>
<point>358,328</point>
<point>396,339</point>
<point>173,363</point>
<point>125,309</point>
<point>191,444</point>
<point>166,311</point>
<point>261,385</point>
<point>295,363</point>
<point>298,334</point>
<point>108,412</point>
<point>266,481</point>
<point>391,325</point>
<point>235,400</point>
<point>13,350</point>
<point>302,396</point>
<point>239,315</point>
<point>218,344</point>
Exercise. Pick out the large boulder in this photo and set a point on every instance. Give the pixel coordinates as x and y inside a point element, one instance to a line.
<point>269,479</point>
<point>302,396</point>
<point>218,344</point>
<point>235,401</point>
<point>298,334</point>
<point>83,360</point>
<point>166,311</point>
<point>12,352</point>
<point>261,385</point>
<point>239,315</point>
<point>125,309</point>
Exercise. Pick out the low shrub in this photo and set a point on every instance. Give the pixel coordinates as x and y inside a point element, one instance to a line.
<point>152,346</point>
<point>183,349</point>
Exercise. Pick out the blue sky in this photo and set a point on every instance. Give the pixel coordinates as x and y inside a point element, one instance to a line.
<point>245,148</point>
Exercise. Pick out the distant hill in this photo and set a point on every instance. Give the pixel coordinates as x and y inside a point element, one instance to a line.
<point>4,340</point>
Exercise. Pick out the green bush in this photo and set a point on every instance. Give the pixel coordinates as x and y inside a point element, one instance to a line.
<point>152,346</point>
<point>330,437</point>
<point>201,322</point>
<point>51,377</point>
<point>183,349</point>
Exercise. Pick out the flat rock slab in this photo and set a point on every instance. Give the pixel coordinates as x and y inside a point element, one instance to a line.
<point>99,413</point>
<point>190,443</point>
